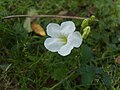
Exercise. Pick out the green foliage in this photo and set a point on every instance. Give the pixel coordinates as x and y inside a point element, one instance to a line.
<point>25,64</point>
<point>59,73</point>
<point>86,54</point>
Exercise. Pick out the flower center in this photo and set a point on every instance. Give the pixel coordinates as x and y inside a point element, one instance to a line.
<point>63,39</point>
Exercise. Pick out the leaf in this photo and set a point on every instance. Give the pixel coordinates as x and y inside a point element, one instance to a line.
<point>107,80</point>
<point>27,22</point>
<point>38,29</point>
<point>59,73</point>
<point>87,74</point>
<point>86,54</point>
<point>63,12</point>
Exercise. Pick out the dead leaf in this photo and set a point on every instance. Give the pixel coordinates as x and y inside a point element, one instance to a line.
<point>63,12</point>
<point>38,29</point>
<point>118,60</point>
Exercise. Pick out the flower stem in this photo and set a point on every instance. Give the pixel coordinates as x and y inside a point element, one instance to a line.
<point>45,16</point>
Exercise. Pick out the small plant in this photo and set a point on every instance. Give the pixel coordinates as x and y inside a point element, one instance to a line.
<point>59,45</point>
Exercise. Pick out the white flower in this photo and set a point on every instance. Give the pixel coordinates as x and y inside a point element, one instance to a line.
<point>63,38</point>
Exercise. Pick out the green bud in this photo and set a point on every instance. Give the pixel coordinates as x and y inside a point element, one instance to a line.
<point>86,32</point>
<point>92,18</point>
<point>84,23</point>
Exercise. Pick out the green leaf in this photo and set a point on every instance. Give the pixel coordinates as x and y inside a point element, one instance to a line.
<point>68,86</point>
<point>96,35</point>
<point>59,73</point>
<point>86,54</point>
<point>87,74</point>
<point>107,80</point>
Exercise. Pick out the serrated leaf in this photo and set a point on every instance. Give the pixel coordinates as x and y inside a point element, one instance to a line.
<point>38,29</point>
<point>87,74</point>
<point>107,80</point>
<point>86,54</point>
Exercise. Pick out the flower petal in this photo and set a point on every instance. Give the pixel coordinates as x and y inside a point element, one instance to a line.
<point>65,50</point>
<point>75,39</point>
<point>67,27</point>
<point>53,30</point>
<point>53,44</point>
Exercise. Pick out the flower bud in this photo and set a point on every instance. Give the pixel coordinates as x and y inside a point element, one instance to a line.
<point>86,32</point>
<point>92,18</point>
<point>85,23</point>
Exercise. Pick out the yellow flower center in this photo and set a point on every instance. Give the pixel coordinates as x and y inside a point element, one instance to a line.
<point>63,39</point>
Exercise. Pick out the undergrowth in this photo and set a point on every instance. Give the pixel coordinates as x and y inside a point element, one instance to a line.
<point>25,64</point>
